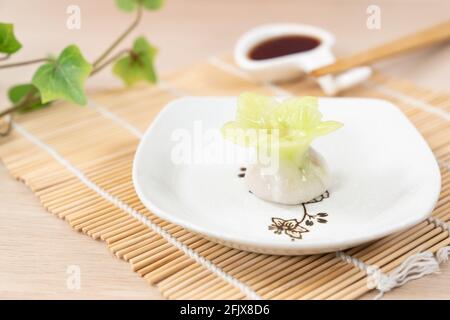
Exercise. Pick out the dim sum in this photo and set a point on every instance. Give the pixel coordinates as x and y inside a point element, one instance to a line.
<point>282,132</point>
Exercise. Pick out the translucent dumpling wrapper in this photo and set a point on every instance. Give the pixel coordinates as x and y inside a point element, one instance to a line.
<point>282,132</point>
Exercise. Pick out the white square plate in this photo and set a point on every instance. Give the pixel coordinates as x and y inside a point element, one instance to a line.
<point>384,178</point>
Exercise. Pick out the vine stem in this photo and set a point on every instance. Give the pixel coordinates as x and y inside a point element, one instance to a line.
<point>120,38</point>
<point>23,63</point>
<point>29,97</point>
<point>110,60</point>
<point>5,57</point>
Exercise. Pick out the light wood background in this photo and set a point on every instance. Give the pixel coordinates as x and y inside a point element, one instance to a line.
<point>37,248</point>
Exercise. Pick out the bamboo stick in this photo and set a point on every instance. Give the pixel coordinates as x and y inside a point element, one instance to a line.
<point>427,37</point>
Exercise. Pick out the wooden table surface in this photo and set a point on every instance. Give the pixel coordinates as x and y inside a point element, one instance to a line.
<point>36,248</point>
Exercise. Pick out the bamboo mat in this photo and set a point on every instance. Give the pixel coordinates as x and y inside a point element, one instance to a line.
<point>78,162</point>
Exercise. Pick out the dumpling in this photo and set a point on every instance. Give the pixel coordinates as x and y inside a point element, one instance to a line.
<point>290,184</point>
<point>287,170</point>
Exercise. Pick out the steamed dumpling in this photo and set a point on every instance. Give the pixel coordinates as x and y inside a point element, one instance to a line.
<point>290,184</point>
<point>284,132</point>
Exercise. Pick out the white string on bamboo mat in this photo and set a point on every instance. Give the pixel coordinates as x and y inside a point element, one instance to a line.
<point>419,104</point>
<point>445,164</point>
<point>169,88</point>
<point>443,253</point>
<point>414,267</point>
<point>111,115</point>
<point>166,87</point>
<point>250,293</point>
<point>224,66</point>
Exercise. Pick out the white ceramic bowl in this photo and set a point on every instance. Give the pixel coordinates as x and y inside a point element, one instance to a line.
<point>385,179</point>
<point>294,65</point>
<point>284,67</point>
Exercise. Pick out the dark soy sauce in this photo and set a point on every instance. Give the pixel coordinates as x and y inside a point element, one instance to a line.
<point>282,46</point>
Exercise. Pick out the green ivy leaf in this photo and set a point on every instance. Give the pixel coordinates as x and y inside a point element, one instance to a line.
<point>18,92</point>
<point>63,78</point>
<point>8,41</point>
<point>131,5</point>
<point>153,4</point>
<point>138,65</point>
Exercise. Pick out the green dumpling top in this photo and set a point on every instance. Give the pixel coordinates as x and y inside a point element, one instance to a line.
<point>288,126</point>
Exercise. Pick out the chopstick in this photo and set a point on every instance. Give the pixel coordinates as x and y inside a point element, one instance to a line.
<point>433,35</point>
